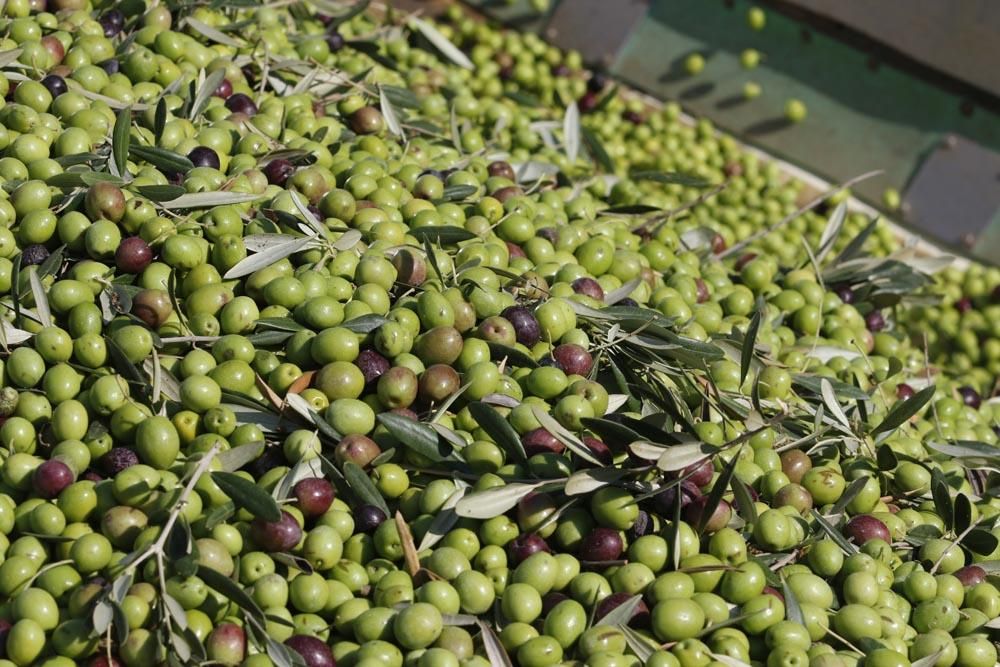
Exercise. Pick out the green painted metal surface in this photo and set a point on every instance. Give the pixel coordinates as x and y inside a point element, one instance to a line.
<point>859,118</point>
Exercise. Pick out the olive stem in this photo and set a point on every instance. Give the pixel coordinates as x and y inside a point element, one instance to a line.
<point>954,542</point>
<point>157,547</point>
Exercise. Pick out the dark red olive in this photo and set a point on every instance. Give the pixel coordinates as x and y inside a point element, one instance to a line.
<point>845,293</point>
<point>133,255</point>
<point>313,495</point>
<point>633,117</point>
<point>865,527</point>
<point>699,474</point>
<point>34,254</point>
<point>118,459</point>
<point>970,397</point>
<point>718,520</point>
<point>745,259</point>
<point>970,575</point>
<point>597,82</point>
<point>55,84</point>
<point>372,365</point>
<point>314,652</point>
<point>368,517</point>
<point>50,478</point>
<point>573,358</point>
<point>335,41</point>
<point>503,194</point>
<point>540,441</point>
<point>963,305</point>
<point>278,171</point>
<point>224,89</point>
<point>588,101</point>
<point>525,545</point>
<point>599,449</point>
<point>203,156</point>
<point>110,66</point>
<point>875,321</point>
<point>718,244</point>
<point>502,169</point>
<point>527,331</point>
<point>666,499</point>
<point>589,287</point>
<point>112,22</point>
<point>601,544</point>
<point>276,536</point>
<point>240,103</point>
<point>904,391</point>
<point>702,288</point>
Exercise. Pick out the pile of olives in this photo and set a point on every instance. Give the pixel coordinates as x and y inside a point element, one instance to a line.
<point>332,335</point>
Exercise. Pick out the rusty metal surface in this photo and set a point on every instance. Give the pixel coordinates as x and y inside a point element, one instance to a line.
<point>955,197</point>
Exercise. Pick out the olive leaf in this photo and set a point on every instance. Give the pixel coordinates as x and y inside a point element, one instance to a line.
<point>41,299</point>
<point>679,457</point>
<point>444,520</point>
<point>849,494</point>
<point>833,405</point>
<point>495,652</point>
<point>267,257</point>
<point>497,427</point>
<point>501,352</point>
<point>728,660</point>
<point>929,660</point>
<point>206,89</point>
<point>208,200</point>
<point>963,513</point>
<point>160,193</point>
<point>670,178</point>
<point>419,437</point>
<point>591,479</point>
<point>943,505</point>
<point>572,443</point>
<point>441,43</point>
<point>793,610</point>
<point>642,647</point>
<point>248,495</point>
<point>442,234</point>
<point>832,230</point>
<point>597,150</point>
<point>571,131</point>
<point>159,119</point>
<point>364,323</point>
<point>212,34</point>
<point>750,341</point>
<point>719,489</point>
<point>229,588</point>
<point>494,502</point>
<point>745,505</point>
<point>389,114</point>
<point>363,487</point>
<point>120,140</point>
<point>981,542</point>
<point>161,158</point>
<point>901,411</point>
<point>847,547</point>
<point>616,295</point>
<point>454,193</point>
